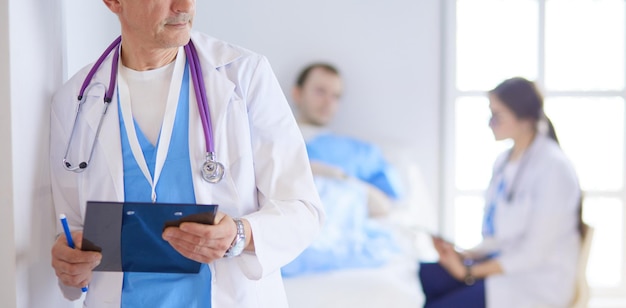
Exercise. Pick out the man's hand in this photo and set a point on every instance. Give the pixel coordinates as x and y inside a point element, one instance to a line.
<point>203,243</point>
<point>73,267</point>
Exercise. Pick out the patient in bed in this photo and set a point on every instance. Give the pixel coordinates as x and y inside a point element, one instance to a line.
<point>354,181</point>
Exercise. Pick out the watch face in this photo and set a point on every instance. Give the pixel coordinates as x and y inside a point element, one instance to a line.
<point>236,249</point>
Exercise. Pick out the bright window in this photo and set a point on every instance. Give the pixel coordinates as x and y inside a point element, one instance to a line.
<point>574,50</point>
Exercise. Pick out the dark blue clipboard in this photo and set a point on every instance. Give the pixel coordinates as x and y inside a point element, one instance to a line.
<point>128,234</point>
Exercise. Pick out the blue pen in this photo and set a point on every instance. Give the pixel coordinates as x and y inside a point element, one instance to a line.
<point>68,236</point>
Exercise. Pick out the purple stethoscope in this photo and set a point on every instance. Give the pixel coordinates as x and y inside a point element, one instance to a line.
<point>212,171</point>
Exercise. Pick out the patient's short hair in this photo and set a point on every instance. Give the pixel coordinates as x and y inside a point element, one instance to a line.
<point>304,74</point>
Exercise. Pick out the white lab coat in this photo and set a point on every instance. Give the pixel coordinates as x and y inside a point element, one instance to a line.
<point>268,179</point>
<point>536,233</point>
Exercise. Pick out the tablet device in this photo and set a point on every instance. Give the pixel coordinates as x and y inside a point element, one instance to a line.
<point>128,234</point>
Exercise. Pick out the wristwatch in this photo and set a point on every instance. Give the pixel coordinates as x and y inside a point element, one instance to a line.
<point>237,246</point>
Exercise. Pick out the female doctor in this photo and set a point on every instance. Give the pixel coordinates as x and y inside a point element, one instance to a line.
<point>152,145</point>
<point>531,224</point>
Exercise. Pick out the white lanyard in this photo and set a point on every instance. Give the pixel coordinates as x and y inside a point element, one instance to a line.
<point>163,143</point>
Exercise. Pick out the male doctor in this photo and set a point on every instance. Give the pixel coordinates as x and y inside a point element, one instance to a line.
<point>267,198</point>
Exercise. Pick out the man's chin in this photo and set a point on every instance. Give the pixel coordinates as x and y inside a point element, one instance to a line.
<point>177,37</point>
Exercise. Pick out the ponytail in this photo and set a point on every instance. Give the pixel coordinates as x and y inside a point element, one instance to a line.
<point>545,127</point>
<point>582,229</point>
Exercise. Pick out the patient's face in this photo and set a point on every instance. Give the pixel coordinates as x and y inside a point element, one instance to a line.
<point>318,98</point>
<point>504,123</point>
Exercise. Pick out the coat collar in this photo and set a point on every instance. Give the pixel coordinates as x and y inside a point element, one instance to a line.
<point>214,53</point>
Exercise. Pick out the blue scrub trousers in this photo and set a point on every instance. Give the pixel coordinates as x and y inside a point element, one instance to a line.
<point>443,291</point>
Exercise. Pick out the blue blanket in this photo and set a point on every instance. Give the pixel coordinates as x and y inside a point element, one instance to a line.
<point>349,238</point>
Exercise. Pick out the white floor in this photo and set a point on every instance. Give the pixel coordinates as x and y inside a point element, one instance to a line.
<point>608,302</point>
<point>394,285</point>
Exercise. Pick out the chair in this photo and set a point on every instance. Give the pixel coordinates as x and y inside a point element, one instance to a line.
<point>581,293</point>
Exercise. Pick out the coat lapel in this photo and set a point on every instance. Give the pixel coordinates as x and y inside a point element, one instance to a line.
<point>219,88</point>
<point>220,91</point>
<point>108,144</point>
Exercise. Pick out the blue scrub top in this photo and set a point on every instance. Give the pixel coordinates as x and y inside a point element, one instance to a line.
<point>175,186</point>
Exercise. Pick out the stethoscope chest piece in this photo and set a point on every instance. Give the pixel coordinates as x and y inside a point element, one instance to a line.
<point>212,171</point>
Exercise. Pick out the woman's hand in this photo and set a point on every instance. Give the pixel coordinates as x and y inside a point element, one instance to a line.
<point>449,258</point>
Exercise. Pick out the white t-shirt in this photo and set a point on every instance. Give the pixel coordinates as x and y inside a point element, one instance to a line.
<point>148,97</point>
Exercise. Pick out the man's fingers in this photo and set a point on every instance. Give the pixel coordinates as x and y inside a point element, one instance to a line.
<point>77,236</point>
<point>73,267</point>
<point>192,243</point>
<point>199,234</point>
<point>61,251</point>
<point>200,242</point>
<point>222,229</point>
<point>77,281</point>
<point>173,233</point>
<point>62,267</point>
<point>197,253</point>
<point>218,218</point>
<point>75,256</point>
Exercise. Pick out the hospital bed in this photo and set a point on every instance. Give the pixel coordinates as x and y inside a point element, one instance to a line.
<point>393,284</point>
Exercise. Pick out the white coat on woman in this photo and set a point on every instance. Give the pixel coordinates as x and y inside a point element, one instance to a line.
<point>267,181</point>
<point>536,233</point>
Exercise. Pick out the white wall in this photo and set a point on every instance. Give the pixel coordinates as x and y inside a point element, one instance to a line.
<point>35,41</point>
<point>389,54</point>
<point>7,240</point>
<point>90,28</point>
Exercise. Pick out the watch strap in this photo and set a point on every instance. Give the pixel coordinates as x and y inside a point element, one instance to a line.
<point>469,279</point>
